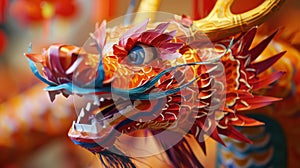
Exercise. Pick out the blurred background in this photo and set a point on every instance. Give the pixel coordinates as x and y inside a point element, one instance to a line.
<point>33,131</point>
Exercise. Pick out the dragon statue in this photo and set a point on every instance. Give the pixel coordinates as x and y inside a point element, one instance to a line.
<point>172,80</point>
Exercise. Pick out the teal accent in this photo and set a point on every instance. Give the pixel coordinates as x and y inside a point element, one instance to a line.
<point>135,93</point>
<point>37,74</point>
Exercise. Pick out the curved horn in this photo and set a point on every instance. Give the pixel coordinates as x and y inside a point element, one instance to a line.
<point>147,6</point>
<point>221,22</point>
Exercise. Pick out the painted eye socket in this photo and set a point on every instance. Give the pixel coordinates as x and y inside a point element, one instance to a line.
<point>142,54</point>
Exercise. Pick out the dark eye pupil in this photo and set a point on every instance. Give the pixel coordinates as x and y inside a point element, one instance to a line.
<point>133,56</point>
<point>136,55</point>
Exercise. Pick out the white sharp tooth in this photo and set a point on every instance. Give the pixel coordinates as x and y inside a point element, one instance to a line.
<point>84,129</point>
<point>101,99</point>
<point>94,128</point>
<point>88,106</point>
<point>73,125</point>
<point>93,121</point>
<point>88,128</point>
<point>81,114</point>
<point>78,120</point>
<point>96,101</point>
<point>79,127</point>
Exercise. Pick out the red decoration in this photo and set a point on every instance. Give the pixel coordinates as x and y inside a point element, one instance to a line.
<point>3,4</point>
<point>66,8</point>
<point>241,6</point>
<point>3,41</point>
<point>202,8</point>
<point>30,11</point>
<point>102,10</point>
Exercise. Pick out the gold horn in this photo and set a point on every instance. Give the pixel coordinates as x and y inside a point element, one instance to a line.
<point>221,22</point>
<point>147,6</point>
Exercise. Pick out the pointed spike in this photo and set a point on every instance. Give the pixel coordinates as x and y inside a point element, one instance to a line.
<point>65,94</point>
<point>263,65</point>
<point>203,147</point>
<point>259,48</point>
<point>133,32</point>
<point>233,133</point>
<point>248,39</point>
<point>161,27</point>
<point>259,99</point>
<point>241,46</point>
<point>253,106</point>
<point>266,80</point>
<point>52,95</point>
<point>216,137</point>
<point>246,121</point>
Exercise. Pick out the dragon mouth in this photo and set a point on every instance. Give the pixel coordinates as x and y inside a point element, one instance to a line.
<point>105,117</point>
<point>97,121</point>
<point>103,112</point>
<point>99,114</point>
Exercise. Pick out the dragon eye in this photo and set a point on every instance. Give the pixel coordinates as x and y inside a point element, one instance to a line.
<point>142,54</point>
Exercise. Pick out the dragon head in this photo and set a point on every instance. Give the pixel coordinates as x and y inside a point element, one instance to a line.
<point>163,78</point>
